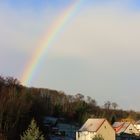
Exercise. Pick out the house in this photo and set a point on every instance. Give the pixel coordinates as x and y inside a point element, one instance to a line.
<point>49,124</point>
<point>125,128</point>
<point>67,129</point>
<point>59,128</point>
<point>93,127</point>
<point>50,121</point>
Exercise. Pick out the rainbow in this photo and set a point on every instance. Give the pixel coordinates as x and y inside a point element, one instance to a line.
<point>48,39</point>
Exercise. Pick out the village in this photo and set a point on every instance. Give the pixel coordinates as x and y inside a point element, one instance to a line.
<point>92,129</point>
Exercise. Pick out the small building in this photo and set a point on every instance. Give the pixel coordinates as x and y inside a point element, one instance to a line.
<point>49,124</point>
<point>67,129</point>
<point>50,121</point>
<point>125,130</point>
<point>93,127</point>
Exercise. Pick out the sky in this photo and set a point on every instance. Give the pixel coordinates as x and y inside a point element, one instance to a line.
<point>96,53</point>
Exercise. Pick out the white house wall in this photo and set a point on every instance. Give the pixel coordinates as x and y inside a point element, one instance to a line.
<point>85,135</point>
<point>138,127</point>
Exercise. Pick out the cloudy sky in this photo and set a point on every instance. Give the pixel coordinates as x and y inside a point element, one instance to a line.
<point>97,53</point>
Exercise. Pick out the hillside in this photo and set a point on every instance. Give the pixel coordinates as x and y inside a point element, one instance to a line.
<point>19,104</point>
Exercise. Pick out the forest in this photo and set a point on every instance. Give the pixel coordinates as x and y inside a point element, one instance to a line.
<point>19,104</point>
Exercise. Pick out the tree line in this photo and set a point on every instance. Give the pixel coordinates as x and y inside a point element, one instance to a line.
<point>19,104</point>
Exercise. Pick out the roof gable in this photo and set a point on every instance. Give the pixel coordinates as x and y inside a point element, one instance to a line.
<point>92,125</point>
<point>132,129</point>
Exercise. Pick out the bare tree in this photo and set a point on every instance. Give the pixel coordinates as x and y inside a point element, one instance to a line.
<point>79,96</point>
<point>91,101</point>
<point>107,105</point>
<point>114,105</point>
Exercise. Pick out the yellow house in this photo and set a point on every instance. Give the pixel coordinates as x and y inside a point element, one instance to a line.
<point>93,127</point>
